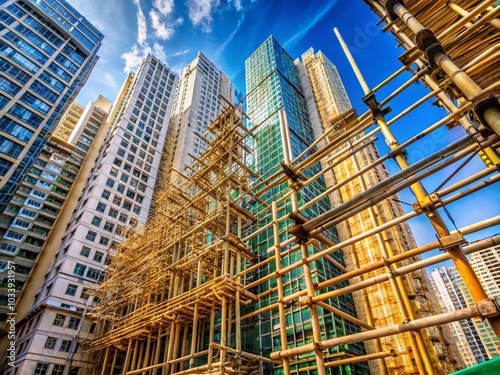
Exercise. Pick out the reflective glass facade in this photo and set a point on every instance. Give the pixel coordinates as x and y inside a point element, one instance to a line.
<point>47,51</point>
<point>272,81</point>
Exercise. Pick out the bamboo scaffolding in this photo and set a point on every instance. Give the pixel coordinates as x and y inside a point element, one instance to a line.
<point>186,294</point>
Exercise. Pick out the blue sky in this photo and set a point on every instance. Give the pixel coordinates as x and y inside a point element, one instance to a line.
<point>228,31</point>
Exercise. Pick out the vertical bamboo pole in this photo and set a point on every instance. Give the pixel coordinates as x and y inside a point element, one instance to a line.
<point>175,350</point>
<point>282,315</point>
<point>211,337</point>
<point>147,348</point>
<point>127,357</point>
<point>105,362</point>
<point>287,156</point>
<point>133,365</point>
<point>171,343</point>
<point>157,348</point>
<point>369,318</point>
<point>113,364</point>
<point>184,346</point>
<point>195,316</point>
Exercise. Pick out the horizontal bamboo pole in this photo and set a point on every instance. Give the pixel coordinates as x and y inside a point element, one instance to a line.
<point>414,325</point>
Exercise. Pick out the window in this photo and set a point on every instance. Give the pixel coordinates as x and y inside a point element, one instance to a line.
<point>65,346</point>
<point>136,210</point>
<point>59,320</point>
<point>91,236</point>
<point>127,206</point>
<point>8,248</point>
<point>113,213</point>
<point>106,194</point>
<point>79,269</point>
<point>130,194</point>
<point>58,370</point>
<point>104,240</point>
<point>98,256</point>
<point>41,369</point>
<point>117,200</point>
<point>15,236</point>
<point>109,226</point>
<point>50,343</point>
<point>71,289</point>
<point>123,218</point>
<point>96,221</point>
<point>95,274</point>
<point>74,370</point>
<point>73,323</point>
<point>85,251</point>
<point>110,182</point>
<point>124,177</point>
<point>121,188</point>
<point>114,172</point>
<point>21,224</point>
<point>101,207</point>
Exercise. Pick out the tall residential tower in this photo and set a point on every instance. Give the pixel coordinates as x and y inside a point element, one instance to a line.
<point>115,201</point>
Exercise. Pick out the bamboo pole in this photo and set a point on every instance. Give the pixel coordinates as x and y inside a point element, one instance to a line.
<point>287,156</point>
<point>418,324</point>
<point>279,280</point>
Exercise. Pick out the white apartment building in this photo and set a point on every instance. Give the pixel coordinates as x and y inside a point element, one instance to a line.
<point>203,92</point>
<point>116,199</point>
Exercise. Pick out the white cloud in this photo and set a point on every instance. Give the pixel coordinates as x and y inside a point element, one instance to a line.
<point>237,5</point>
<point>200,13</point>
<point>142,28</point>
<point>165,7</point>
<point>223,46</point>
<point>180,53</point>
<point>134,57</point>
<point>304,30</point>
<point>161,30</point>
<point>159,52</point>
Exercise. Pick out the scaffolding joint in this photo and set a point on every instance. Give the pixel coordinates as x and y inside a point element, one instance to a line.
<point>389,6</point>
<point>295,177</point>
<point>427,42</point>
<point>488,308</point>
<point>426,205</point>
<point>297,230</point>
<point>451,241</point>
<point>482,106</point>
<point>371,101</point>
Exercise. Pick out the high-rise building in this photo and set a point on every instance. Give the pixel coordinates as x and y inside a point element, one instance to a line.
<point>454,295</point>
<point>486,265</point>
<point>447,284</point>
<point>27,222</point>
<point>329,107</point>
<point>116,199</point>
<point>273,84</point>
<point>47,51</point>
<point>202,91</point>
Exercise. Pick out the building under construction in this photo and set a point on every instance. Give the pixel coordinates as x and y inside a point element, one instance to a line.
<point>241,270</point>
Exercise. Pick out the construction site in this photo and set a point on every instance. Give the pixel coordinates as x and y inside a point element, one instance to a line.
<point>280,252</point>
